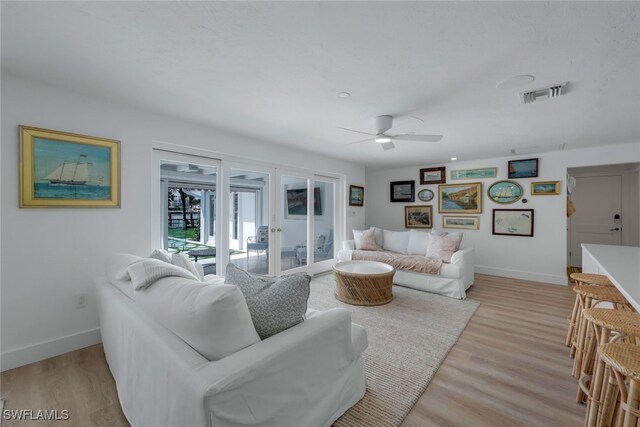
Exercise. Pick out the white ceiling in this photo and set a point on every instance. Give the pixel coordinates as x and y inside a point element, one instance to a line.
<point>272,69</point>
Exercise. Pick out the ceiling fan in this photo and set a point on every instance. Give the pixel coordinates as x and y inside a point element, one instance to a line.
<point>381,125</point>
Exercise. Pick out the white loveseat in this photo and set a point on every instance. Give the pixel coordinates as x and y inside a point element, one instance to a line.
<point>309,374</point>
<point>454,278</point>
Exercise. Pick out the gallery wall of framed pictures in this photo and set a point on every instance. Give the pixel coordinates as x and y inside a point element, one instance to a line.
<point>460,203</point>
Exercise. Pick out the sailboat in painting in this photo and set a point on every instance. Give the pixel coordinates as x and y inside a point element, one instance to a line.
<point>70,173</point>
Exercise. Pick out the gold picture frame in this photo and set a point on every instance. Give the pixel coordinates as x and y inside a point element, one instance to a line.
<point>545,188</point>
<point>61,169</point>
<point>420,216</point>
<point>461,222</point>
<point>460,198</point>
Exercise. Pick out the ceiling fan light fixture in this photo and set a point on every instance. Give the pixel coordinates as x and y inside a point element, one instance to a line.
<point>382,139</point>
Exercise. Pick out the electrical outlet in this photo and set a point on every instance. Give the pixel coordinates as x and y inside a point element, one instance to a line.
<point>81,300</point>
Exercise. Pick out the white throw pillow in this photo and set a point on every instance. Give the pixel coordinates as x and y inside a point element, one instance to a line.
<point>379,232</point>
<point>182,260</point>
<point>443,247</point>
<point>396,241</point>
<point>418,242</point>
<point>213,319</point>
<point>116,268</point>
<point>161,254</point>
<point>365,240</point>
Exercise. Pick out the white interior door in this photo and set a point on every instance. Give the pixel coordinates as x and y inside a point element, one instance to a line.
<point>598,203</point>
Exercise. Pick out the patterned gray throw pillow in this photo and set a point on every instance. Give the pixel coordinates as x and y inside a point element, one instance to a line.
<point>275,303</point>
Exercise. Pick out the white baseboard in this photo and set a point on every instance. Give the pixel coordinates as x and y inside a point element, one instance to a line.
<point>524,275</point>
<point>46,349</point>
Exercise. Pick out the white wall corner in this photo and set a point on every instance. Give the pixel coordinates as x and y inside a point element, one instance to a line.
<point>46,349</point>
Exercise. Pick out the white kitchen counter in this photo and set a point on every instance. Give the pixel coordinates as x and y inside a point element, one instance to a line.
<point>620,263</point>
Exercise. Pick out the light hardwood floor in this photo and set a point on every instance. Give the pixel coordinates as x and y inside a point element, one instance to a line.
<point>509,368</point>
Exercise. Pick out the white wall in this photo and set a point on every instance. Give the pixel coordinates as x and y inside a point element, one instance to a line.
<point>50,255</point>
<point>540,258</point>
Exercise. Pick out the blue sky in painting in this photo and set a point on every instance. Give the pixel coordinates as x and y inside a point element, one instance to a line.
<point>49,154</point>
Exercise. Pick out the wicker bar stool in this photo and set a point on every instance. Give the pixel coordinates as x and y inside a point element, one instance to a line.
<point>623,363</point>
<point>583,279</point>
<point>603,322</point>
<point>588,297</point>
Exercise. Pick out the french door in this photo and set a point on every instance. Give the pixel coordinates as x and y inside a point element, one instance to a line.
<point>263,220</point>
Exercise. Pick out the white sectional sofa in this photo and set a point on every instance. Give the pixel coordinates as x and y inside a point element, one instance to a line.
<point>307,375</point>
<point>454,278</point>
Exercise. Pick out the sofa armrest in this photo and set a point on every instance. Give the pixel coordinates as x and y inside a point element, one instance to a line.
<point>461,256</point>
<point>465,259</point>
<point>349,245</point>
<point>297,366</point>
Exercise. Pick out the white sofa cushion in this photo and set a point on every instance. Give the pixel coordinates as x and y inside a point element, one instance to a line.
<point>418,242</point>
<point>396,241</point>
<point>213,319</point>
<point>443,247</point>
<point>365,240</point>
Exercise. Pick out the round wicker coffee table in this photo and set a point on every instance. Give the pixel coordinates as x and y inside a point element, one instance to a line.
<point>364,282</point>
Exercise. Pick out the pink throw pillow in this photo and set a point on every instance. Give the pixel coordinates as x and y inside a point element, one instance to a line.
<point>365,240</point>
<point>443,247</point>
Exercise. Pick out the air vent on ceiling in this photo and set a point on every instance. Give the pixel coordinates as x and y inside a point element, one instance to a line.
<point>544,93</point>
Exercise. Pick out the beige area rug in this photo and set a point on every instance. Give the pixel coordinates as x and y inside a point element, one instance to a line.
<point>408,340</point>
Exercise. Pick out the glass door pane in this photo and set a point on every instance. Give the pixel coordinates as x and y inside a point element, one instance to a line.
<point>188,204</point>
<point>294,220</point>
<point>324,220</point>
<point>249,220</point>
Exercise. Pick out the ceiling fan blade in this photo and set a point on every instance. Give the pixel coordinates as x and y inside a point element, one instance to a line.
<point>387,146</point>
<point>418,138</point>
<point>357,131</point>
<point>358,142</point>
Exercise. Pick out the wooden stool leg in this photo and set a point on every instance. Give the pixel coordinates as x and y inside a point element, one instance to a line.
<point>582,336</point>
<point>609,399</point>
<point>594,407</point>
<point>633,404</point>
<point>572,322</point>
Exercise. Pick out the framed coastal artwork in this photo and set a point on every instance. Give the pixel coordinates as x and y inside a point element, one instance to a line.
<point>513,222</point>
<point>425,195</point>
<point>460,198</point>
<point>461,222</point>
<point>417,217</point>
<point>433,175</point>
<point>527,168</point>
<point>60,169</point>
<point>479,173</point>
<point>505,192</point>
<point>545,188</point>
<point>402,191</point>
<point>356,195</point>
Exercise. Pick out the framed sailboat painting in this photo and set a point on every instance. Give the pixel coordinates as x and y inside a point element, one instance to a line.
<point>59,169</point>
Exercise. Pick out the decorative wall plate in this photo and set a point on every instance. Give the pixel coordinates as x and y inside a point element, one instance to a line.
<point>425,195</point>
<point>505,192</point>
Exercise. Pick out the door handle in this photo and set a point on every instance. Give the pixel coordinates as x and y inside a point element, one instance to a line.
<point>273,230</point>
<point>614,229</point>
<point>279,229</point>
